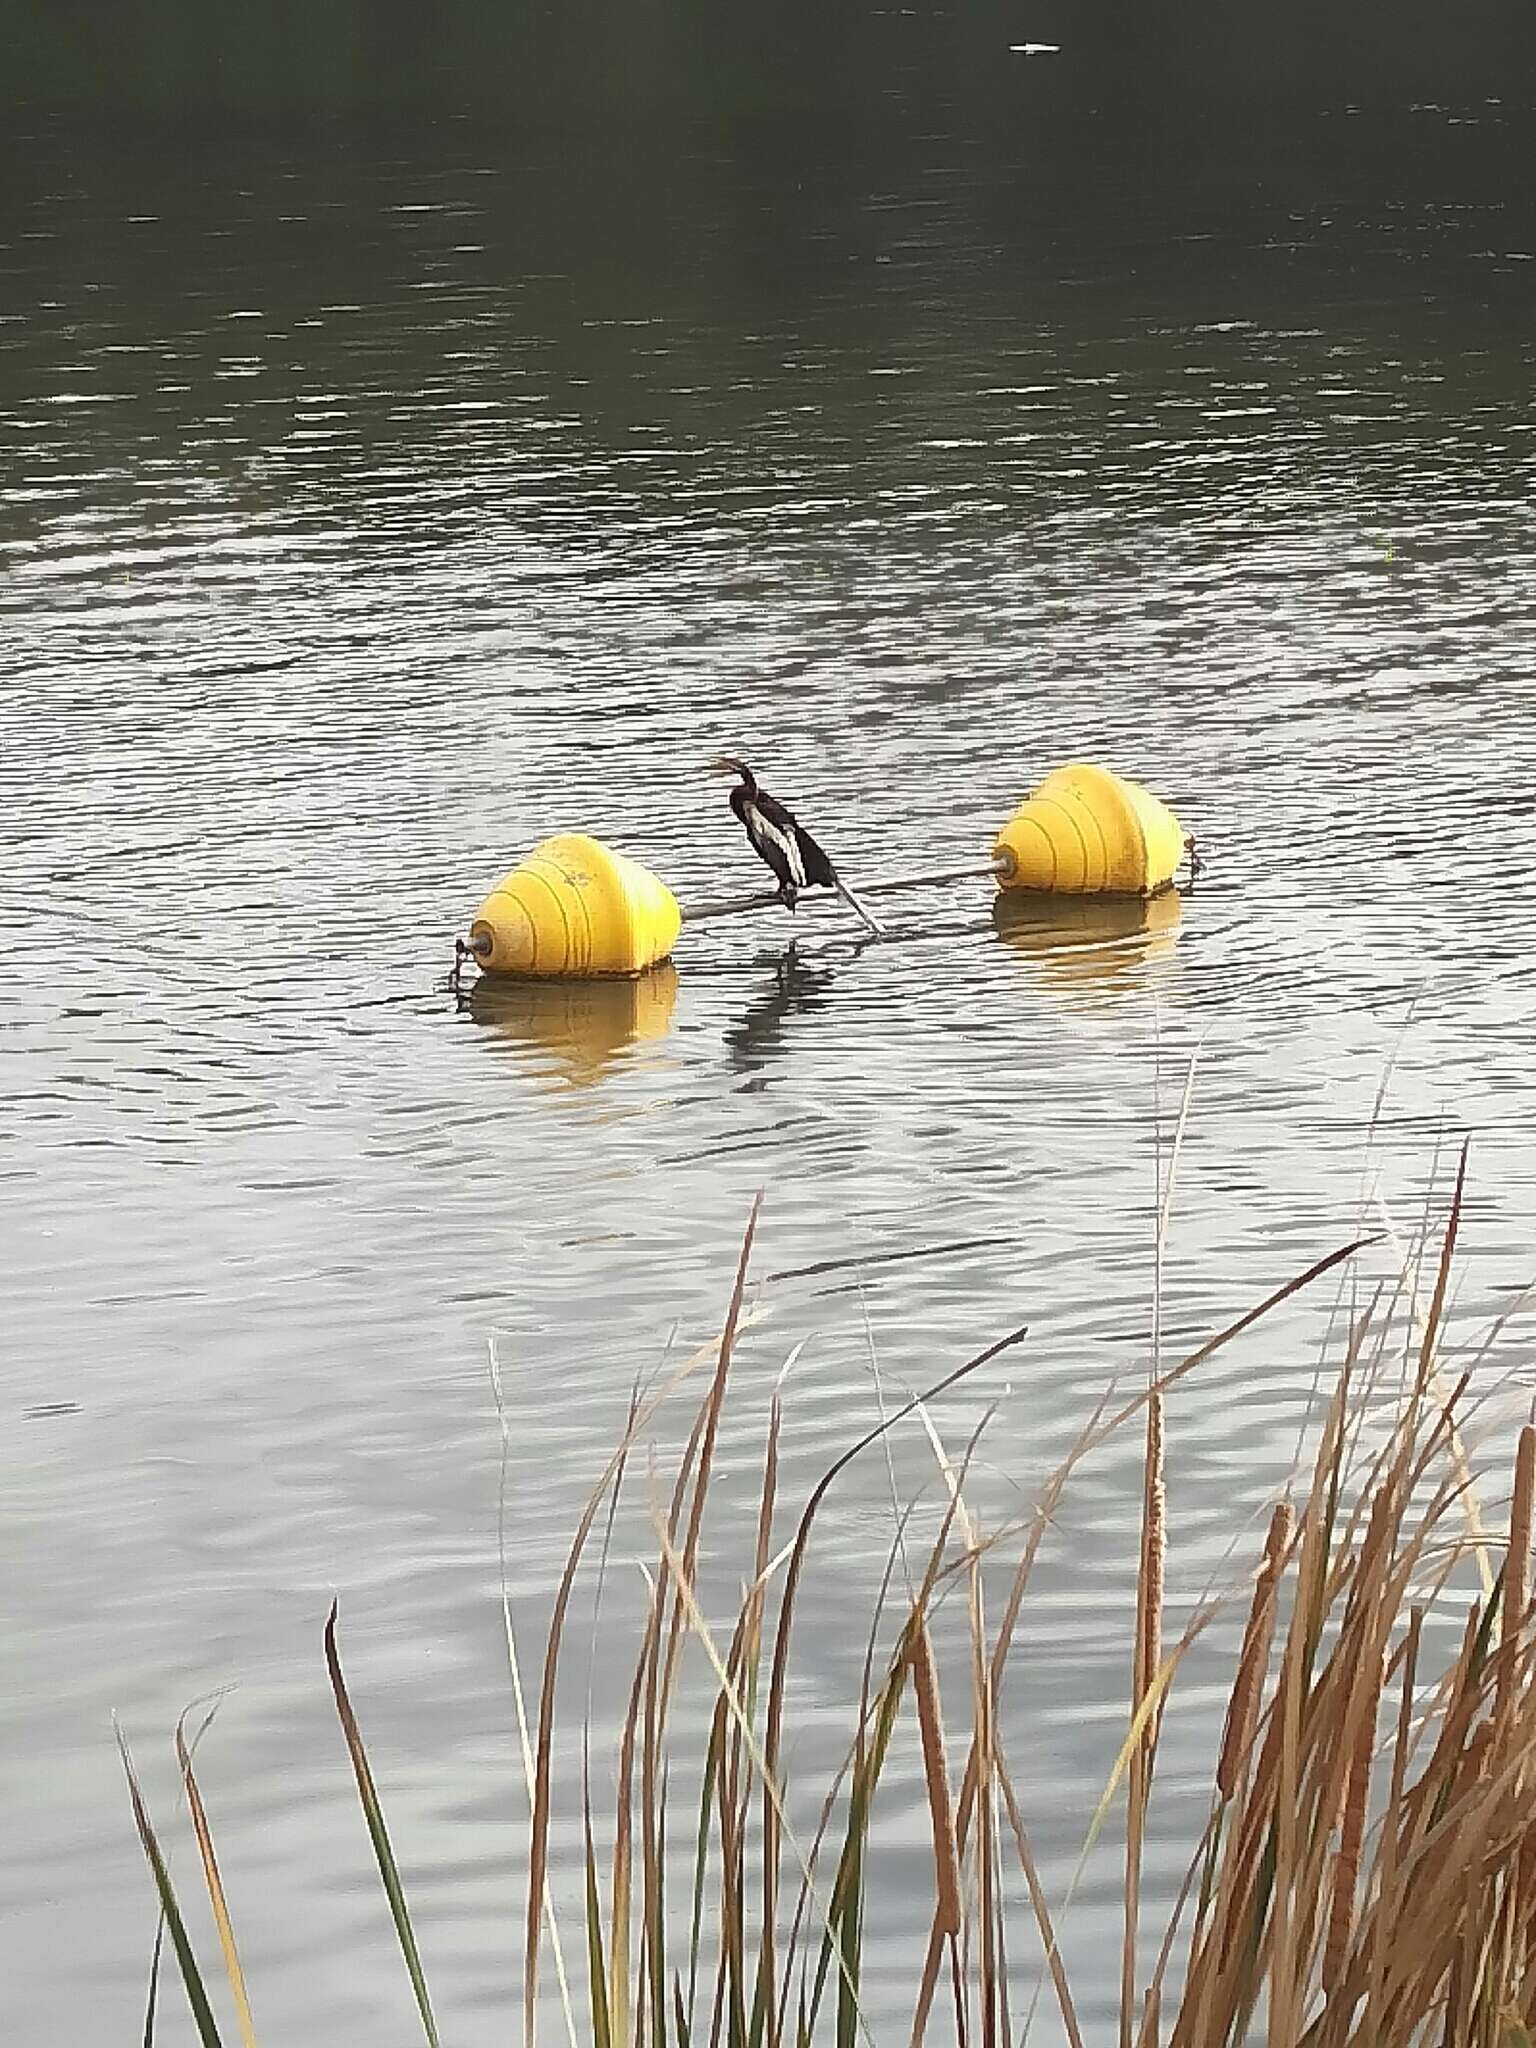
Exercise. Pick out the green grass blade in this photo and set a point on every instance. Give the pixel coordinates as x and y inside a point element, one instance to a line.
<point>191,1977</point>
<point>850,1924</point>
<point>842,1937</point>
<point>153,1998</point>
<point>679,2013</point>
<point>373,1813</point>
<point>659,1926</point>
<point>597,1966</point>
<point>701,1854</point>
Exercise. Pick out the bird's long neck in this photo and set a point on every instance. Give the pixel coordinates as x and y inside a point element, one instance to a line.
<point>748,782</point>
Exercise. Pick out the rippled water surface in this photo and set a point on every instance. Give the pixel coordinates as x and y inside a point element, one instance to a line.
<point>370,514</point>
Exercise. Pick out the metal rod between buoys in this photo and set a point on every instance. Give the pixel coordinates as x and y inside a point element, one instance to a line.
<point>736,905</point>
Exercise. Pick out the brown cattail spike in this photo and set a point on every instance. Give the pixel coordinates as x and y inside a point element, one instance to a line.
<point>1253,1660</point>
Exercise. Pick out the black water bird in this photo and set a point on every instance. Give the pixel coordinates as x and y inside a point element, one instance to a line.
<point>778,838</point>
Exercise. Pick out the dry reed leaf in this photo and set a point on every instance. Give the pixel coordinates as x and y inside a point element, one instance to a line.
<point>538,1848</point>
<point>771,1816</point>
<point>755,1750</point>
<point>1346,1863</point>
<point>215,1883</point>
<point>946,1861</point>
<point>1517,1565</point>
<point>1146,1655</point>
<point>1041,1908</point>
<point>713,1403</point>
<point>191,1977</point>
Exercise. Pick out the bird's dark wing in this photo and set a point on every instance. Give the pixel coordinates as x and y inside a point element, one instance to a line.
<point>811,859</point>
<point>778,838</point>
<point>818,868</point>
<point>772,842</point>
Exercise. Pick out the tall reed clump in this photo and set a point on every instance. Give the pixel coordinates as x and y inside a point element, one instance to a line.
<point>1366,1873</point>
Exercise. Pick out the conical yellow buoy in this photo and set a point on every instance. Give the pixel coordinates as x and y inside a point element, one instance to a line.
<point>1086,832</point>
<point>574,907</point>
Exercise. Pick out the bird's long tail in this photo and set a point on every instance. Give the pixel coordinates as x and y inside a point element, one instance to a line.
<point>867,918</point>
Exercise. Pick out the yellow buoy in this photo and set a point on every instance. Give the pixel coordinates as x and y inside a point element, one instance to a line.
<point>1086,832</point>
<point>574,907</point>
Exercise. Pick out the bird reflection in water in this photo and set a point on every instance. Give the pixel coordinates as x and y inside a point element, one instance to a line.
<point>582,1027</point>
<point>796,987</point>
<point>1089,942</point>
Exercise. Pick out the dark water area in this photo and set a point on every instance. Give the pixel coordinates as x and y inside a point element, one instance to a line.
<point>424,431</point>
<point>195,62</point>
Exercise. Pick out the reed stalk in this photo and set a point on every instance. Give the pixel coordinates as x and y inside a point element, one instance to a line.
<point>1366,1872</point>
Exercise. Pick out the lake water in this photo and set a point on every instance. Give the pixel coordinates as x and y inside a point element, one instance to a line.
<point>371,511</point>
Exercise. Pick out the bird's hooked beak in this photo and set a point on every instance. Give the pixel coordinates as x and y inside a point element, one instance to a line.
<point>726,764</point>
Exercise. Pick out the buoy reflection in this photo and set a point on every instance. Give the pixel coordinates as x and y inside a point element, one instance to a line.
<point>585,1026</point>
<point>1088,941</point>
